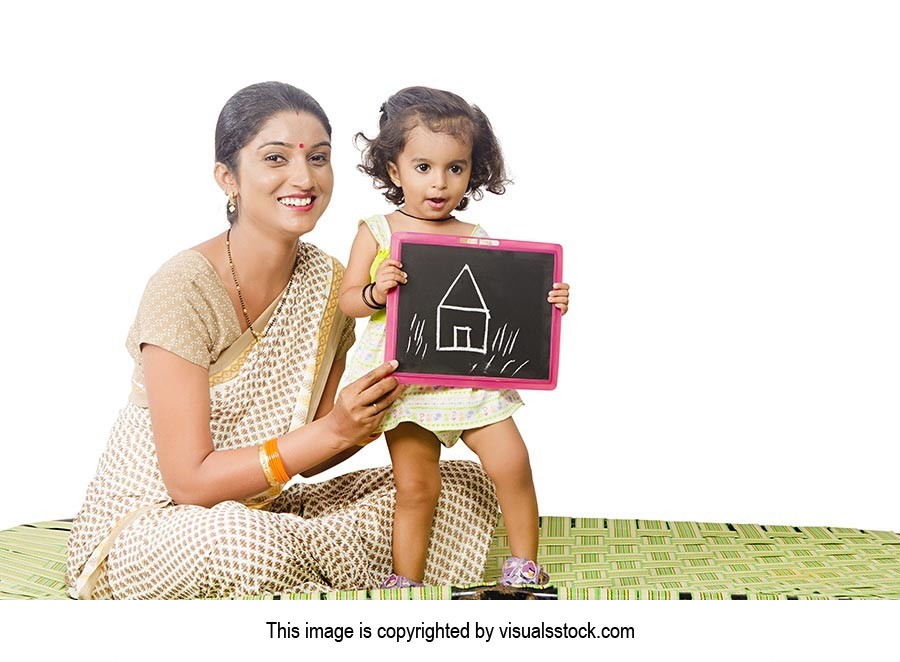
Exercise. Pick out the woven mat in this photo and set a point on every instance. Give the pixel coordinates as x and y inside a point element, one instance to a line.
<point>33,561</point>
<point>596,559</point>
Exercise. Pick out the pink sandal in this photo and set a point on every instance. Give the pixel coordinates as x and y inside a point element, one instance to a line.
<point>399,581</point>
<point>522,572</point>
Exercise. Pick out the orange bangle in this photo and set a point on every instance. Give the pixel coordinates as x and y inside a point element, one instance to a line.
<point>274,460</point>
<point>267,470</point>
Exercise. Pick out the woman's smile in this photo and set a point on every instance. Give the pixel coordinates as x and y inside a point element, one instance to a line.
<point>296,203</point>
<point>284,174</point>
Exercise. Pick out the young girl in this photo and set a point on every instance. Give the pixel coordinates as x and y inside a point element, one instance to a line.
<point>432,153</point>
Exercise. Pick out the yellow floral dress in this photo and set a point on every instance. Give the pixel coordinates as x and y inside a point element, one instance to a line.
<point>443,410</point>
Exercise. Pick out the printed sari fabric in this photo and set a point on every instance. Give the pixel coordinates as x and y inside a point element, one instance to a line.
<point>130,541</point>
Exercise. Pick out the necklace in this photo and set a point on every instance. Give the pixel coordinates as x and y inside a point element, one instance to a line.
<point>237,286</point>
<point>430,220</point>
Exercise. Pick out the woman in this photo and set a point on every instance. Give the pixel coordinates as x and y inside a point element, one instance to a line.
<point>238,347</point>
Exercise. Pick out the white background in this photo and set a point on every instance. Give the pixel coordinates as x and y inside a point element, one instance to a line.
<point>723,178</point>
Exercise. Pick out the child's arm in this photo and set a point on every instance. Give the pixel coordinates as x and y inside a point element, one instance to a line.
<point>356,276</point>
<point>559,296</point>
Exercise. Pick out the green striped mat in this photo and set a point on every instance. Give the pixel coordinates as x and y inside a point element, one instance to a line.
<point>33,561</point>
<point>596,559</point>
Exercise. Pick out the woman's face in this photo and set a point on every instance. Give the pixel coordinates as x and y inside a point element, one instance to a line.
<point>284,177</point>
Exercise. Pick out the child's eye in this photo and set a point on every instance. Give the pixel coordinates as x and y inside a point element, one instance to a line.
<point>275,158</point>
<point>422,167</point>
<point>456,169</point>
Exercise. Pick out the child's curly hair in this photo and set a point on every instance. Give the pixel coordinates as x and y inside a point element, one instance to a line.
<point>442,112</point>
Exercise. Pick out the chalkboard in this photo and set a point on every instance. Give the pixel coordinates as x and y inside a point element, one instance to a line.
<point>474,312</point>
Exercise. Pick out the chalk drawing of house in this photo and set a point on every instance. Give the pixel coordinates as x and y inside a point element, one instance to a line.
<point>462,316</point>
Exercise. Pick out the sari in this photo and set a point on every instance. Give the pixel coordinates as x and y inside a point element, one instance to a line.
<point>131,541</point>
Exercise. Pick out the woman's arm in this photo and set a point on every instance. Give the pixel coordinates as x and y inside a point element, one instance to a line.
<point>193,472</point>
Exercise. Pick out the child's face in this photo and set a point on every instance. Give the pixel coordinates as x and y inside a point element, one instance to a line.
<point>433,170</point>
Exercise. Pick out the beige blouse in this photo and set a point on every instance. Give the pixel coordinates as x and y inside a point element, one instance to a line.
<point>186,310</point>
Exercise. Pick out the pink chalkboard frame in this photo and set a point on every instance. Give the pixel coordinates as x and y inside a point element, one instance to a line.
<point>399,239</point>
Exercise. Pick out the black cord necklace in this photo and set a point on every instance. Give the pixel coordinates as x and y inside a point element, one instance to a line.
<point>430,220</point>
<point>256,336</point>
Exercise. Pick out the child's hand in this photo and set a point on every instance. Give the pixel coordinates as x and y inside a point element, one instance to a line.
<point>388,276</point>
<point>559,296</point>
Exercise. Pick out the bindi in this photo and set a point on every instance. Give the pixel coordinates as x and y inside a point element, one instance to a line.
<point>300,145</point>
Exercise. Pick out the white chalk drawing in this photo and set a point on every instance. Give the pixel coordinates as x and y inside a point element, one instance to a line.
<point>462,336</point>
<point>416,333</point>
<point>511,343</point>
<point>462,325</point>
<point>463,316</point>
<point>520,367</point>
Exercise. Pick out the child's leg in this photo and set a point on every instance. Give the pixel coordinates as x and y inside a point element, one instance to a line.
<point>415,453</point>
<point>504,457</point>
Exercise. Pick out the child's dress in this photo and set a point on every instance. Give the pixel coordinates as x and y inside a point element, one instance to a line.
<point>443,410</point>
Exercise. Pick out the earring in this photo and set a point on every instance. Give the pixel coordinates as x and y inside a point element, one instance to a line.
<point>232,207</point>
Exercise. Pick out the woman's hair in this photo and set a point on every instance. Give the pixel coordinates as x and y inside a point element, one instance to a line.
<point>244,114</point>
<point>441,112</point>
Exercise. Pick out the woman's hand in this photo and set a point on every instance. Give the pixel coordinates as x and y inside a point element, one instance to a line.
<point>559,296</point>
<point>388,276</point>
<point>360,406</point>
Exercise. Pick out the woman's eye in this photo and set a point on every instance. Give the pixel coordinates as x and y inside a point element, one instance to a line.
<point>422,167</point>
<point>319,158</point>
<point>275,158</point>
